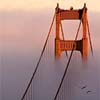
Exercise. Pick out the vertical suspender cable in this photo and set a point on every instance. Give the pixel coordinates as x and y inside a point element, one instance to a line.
<point>39,59</point>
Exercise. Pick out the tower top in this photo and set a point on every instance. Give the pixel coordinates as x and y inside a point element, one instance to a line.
<point>57,7</point>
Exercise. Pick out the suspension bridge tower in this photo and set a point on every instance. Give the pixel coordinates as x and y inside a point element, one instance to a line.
<point>69,45</point>
<point>61,45</point>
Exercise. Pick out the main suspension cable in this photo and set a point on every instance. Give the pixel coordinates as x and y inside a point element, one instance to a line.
<point>63,36</point>
<point>39,58</point>
<point>89,37</point>
<point>67,66</point>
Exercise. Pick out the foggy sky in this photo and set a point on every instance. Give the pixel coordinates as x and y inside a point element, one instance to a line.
<point>22,35</point>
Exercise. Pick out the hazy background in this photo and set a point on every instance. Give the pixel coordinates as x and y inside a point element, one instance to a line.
<point>22,24</point>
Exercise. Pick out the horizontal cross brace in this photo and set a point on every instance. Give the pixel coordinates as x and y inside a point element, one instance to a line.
<point>70,14</point>
<point>67,45</point>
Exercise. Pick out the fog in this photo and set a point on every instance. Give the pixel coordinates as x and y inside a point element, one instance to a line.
<point>22,35</point>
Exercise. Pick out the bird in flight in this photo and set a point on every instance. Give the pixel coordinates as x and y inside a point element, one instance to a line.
<point>84,87</point>
<point>88,91</point>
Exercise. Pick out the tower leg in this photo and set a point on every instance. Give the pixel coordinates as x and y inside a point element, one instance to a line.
<point>57,48</point>
<point>85,48</point>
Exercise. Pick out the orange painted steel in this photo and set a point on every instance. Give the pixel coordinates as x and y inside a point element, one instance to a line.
<point>67,45</point>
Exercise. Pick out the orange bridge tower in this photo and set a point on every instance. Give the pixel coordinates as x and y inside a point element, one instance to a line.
<point>69,45</point>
